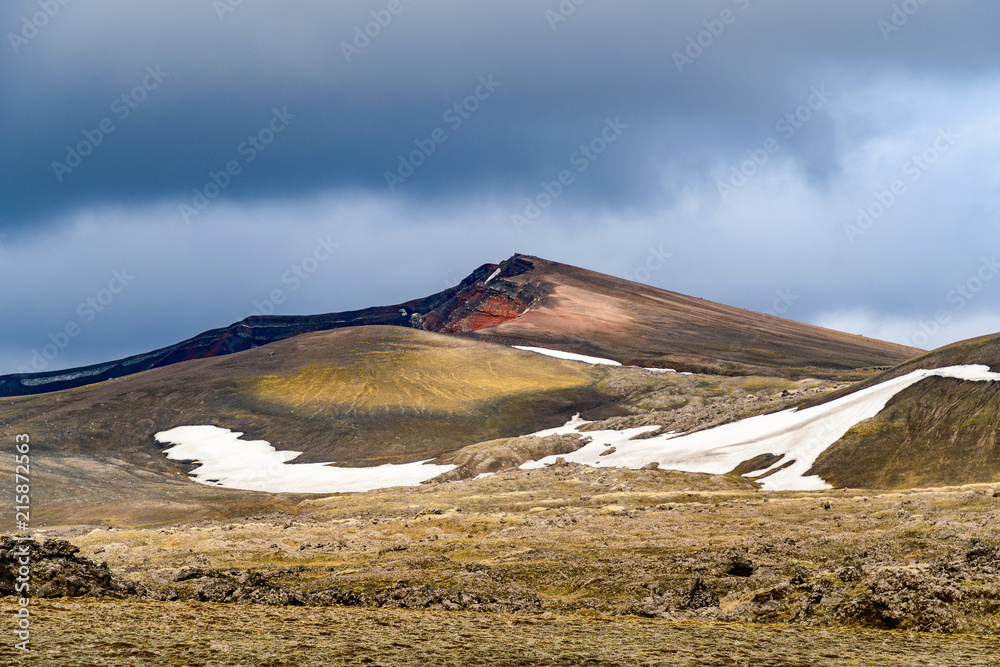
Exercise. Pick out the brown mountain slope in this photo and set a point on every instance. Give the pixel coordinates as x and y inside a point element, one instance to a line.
<point>939,431</point>
<point>582,311</point>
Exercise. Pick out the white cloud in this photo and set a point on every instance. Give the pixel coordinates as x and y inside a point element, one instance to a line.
<point>928,332</point>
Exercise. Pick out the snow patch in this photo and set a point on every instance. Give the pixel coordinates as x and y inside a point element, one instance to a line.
<point>492,276</point>
<point>567,428</point>
<point>131,361</point>
<point>34,382</point>
<point>254,465</point>
<point>800,435</point>
<point>568,355</point>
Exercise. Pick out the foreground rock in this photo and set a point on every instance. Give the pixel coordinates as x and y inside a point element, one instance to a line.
<point>57,571</point>
<point>866,590</point>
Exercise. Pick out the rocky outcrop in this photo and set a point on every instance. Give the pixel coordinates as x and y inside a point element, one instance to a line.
<point>485,303</point>
<point>699,596</point>
<point>506,454</point>
<point>255,587</point>
<point>55,570</point>
<point>248,587</point>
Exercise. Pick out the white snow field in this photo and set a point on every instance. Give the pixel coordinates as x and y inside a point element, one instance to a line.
<point>572,356</point>
<point>568,355</point>
<point>254,465</point>
<point>799,435</point>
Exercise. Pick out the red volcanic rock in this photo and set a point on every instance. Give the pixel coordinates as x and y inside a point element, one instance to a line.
<point>485,303</point>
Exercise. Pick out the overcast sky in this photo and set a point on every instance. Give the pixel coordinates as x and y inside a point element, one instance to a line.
<point>172,166</point>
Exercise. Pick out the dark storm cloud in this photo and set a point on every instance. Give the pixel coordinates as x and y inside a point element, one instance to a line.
<point>225,71</point>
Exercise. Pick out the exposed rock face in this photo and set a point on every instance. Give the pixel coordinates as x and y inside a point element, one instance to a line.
<point>485,303</point>
<point>910,598</point>
<point>740,565</point>
<point>407,596</point>
<point>255,587</point>
<point>866,589</point>
<point>57,571</point>
<point>485,298</point>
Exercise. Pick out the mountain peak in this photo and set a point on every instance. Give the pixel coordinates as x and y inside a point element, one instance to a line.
<point>528,300</point>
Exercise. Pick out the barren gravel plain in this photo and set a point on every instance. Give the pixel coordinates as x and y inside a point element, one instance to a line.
<point>566,565</point>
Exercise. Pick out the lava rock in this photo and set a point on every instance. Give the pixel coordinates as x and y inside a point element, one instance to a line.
<point>57,571</point>
<point>699,596</point>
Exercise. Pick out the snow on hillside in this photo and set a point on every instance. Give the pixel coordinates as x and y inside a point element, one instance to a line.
<point>799,435</point>
<point>254,465</point>
<point>65,377</point>
<point>568,355</point>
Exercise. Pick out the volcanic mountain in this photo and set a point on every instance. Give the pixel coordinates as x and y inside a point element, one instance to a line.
<point>535,302</point>
<point>439,380</point>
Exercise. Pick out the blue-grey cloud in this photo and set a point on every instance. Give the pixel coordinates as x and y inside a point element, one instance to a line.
<point>353,119</point>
